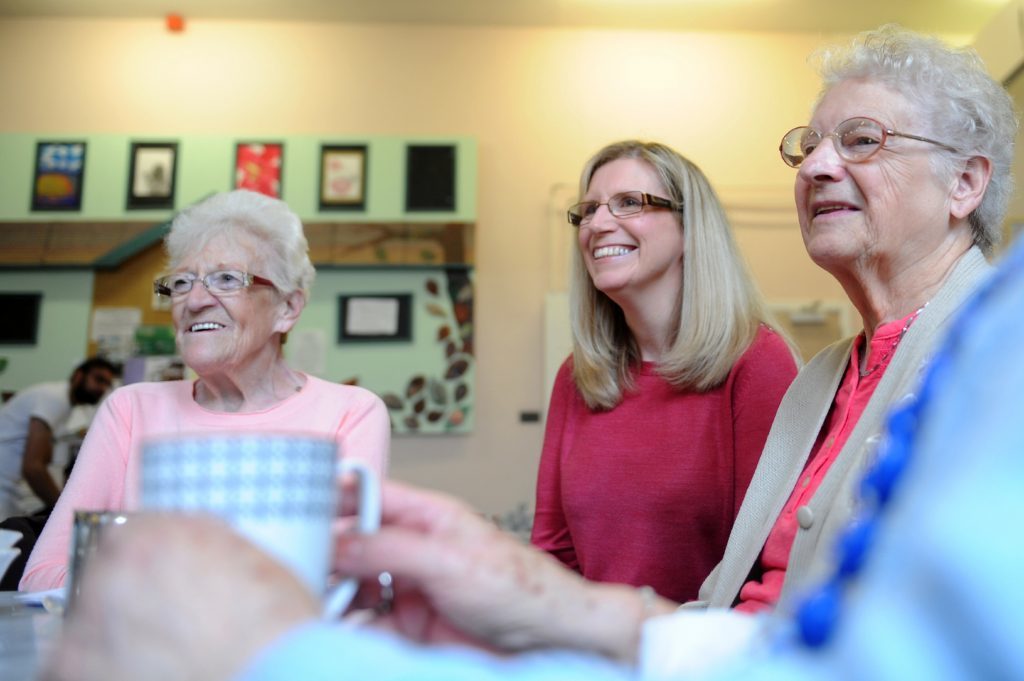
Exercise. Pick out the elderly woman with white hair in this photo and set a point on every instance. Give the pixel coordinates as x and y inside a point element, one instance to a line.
<point>903,178</point>
<point>239,277</point>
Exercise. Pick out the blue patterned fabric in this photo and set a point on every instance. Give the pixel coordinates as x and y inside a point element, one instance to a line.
<point>242,476</point>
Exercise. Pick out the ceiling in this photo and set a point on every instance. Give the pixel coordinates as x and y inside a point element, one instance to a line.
<point>963,17</point>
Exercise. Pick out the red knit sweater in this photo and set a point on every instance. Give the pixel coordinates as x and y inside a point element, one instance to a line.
<point>646,493</point>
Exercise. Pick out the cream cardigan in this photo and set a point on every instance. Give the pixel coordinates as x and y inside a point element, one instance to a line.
<point>794,431</point>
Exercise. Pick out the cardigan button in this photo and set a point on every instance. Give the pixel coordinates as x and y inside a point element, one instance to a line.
<point>805,517</point>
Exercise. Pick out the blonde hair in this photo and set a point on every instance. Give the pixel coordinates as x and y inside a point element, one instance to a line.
<point>719,307</point>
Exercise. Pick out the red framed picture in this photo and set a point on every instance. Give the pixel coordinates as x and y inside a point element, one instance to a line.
<point>258,166</point>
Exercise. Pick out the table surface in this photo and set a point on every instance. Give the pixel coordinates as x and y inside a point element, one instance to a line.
<point>27,635</point>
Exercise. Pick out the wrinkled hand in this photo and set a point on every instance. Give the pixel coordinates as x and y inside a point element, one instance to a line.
<point>174,597</point>
<point>457,576</point>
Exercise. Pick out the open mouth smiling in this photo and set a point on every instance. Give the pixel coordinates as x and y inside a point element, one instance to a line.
<point>611,251</point>
<point>204,326</point>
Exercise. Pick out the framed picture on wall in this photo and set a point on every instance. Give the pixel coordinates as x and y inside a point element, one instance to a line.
<point>57,183</point>
<point>258,166</point>
<point>371,317</point>
<point>151,174</point>
<point>21,318</point>
<point>343,177</point>
<point>430,177</point>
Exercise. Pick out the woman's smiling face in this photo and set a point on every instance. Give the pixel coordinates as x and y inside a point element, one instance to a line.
<point>638,255</point>
<point>889,208</point>
<point>217,332</point>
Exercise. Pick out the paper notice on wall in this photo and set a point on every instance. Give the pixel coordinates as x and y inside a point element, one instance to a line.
<point>113,331</point>
<point>115,321</point>
<point>307,351</point>
<point>371,317</point>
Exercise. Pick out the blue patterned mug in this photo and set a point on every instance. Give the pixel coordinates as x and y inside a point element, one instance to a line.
<point>281,491</point>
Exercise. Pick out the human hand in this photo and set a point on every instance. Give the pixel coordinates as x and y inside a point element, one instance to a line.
<point>170,597</point>
<point>458,577</point>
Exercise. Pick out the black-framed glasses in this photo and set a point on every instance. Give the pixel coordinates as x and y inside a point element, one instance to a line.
<point>856,140</point>
<point>218,283</point>
<point>622,205</point>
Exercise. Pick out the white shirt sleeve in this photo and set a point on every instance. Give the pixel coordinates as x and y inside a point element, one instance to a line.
<point>51,407</point>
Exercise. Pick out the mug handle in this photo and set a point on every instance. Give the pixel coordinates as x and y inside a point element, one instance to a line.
<point>338,598</point>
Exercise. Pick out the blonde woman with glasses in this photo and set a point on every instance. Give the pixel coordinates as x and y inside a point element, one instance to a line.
<point>658,418</point>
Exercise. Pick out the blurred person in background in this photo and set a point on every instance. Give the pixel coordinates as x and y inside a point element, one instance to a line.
<point>29,424</point>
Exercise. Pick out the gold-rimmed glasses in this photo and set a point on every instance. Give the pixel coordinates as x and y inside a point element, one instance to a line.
<point>856,140</point>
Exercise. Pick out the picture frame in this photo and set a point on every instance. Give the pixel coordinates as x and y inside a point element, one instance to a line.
<point>342,177</point>
<point>21,314</point>
<point>259,167</point>
<point>374,317</point>
<point>430,177</point>
<point>152,175</point>
<point>59,176</point>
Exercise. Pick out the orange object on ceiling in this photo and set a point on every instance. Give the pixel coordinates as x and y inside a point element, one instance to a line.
<point>175,23</point>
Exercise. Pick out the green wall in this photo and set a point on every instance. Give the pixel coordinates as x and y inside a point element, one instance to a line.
<point>389,368</point>
<point>63,326</point>
<point>206,164</point>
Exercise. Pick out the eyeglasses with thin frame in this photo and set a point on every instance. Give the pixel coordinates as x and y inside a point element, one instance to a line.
<point>856,140</point>
<point>218,283</point>
<point>622,205</point>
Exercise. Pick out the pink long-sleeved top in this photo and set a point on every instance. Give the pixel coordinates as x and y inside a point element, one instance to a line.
<point>106,473</point>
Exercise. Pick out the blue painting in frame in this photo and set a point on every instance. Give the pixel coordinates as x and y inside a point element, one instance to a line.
<point>60,168</point>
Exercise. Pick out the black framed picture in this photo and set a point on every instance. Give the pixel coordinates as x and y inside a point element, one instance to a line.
<point>59,173</point>
<point>20,312</point>
<point>376,317</point>
<point>151,174</point>
<point>343,177</point>
<point>430,177</point>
